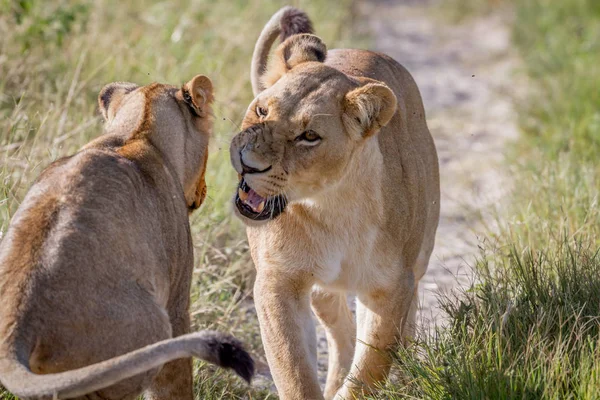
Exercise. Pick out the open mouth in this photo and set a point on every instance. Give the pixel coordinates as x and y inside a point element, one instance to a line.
<point>251,205</point>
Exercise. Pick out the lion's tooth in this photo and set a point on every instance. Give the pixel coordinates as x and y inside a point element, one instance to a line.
<point>261,206</point>
<point>242,195</point>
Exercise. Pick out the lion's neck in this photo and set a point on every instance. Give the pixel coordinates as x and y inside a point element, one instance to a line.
<point>129,139</point>
<point>359,193</point>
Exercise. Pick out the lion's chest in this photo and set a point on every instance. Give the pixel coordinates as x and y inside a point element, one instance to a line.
<point>350,262</point>
<point>341,254</point>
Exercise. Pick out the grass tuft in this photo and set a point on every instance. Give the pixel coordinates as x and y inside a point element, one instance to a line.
<point>529,329</point>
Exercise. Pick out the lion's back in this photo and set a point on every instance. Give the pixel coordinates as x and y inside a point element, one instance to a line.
<point>78,209</point>
<point>83,235</point>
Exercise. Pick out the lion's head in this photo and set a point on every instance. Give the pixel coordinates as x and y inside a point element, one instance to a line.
<point>301,132</point>
<point>175,120</point>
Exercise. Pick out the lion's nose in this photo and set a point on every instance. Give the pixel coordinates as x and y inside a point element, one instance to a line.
<point>250,165</point>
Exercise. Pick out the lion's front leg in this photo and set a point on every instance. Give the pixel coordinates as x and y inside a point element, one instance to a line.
<point>383,317</point>
<point>283,308</point>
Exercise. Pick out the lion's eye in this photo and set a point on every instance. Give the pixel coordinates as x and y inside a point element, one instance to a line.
<point>261,112</point>
<point>310,137</point>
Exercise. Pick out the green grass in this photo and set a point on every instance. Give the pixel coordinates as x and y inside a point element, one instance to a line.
<point>529,326</point>
<point>56,56</point>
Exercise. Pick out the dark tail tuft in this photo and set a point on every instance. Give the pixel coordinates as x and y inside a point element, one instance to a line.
<point>294,21</point>
<point>228,352</point>
<point>232,355</point>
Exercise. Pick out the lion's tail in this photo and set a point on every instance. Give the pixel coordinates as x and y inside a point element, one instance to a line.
<point>284,23</point>
<point>217,348</point>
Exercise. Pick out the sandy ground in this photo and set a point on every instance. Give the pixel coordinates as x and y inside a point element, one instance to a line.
<point>464,72</point>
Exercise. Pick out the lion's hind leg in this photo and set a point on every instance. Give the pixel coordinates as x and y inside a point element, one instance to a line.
<point>382,317</point>
<point>173,382</point>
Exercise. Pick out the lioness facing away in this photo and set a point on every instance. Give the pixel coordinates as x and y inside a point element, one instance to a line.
<point>96,266</point>
<point>340,191</point>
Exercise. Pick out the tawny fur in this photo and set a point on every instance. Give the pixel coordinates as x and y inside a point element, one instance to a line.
<point>95,268</point>
<point>362,215</point>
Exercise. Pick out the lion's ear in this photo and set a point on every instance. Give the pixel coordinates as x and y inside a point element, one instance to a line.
<point>298,49</point>
<point>369,108</point>
<point>110,97</point>
<point>200,92</point>
<point>295,50</point>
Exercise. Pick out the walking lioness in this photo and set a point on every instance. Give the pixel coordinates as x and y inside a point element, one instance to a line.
<point>98,259</point>
<point>339,188</point>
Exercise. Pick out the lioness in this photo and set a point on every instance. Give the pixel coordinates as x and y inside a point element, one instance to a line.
<point>339,188</point>
<point>98,259</point>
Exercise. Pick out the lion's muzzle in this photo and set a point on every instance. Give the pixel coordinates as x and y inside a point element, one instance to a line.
<point>258,203</point>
